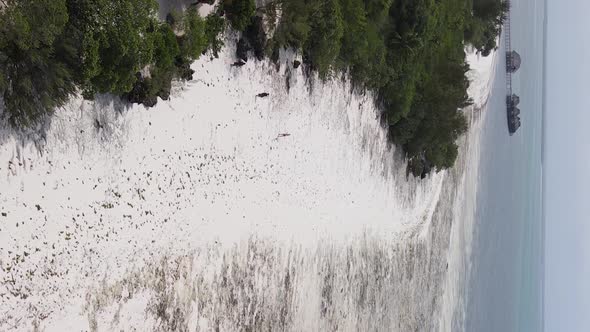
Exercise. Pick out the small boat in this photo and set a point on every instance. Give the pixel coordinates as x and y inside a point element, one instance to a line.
<point>513,113</point>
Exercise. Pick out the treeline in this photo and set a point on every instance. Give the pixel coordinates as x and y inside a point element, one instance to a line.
<point>51,49</point>
<point>409,52</point>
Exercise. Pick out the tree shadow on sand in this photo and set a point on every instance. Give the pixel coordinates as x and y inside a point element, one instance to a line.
<point>77,117</point>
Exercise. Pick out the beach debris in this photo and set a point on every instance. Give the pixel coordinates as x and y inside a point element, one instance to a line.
<point>238,63</point>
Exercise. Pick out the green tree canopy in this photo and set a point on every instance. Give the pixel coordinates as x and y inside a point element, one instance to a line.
<point>214,29</point>
<point>34,78</point>
<point>240,12</point>
<point>114,42</point>
<point>324,42</point>
<point>194,41</point>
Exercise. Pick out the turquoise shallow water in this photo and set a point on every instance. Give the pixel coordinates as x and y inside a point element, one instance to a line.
<point>505,286</point>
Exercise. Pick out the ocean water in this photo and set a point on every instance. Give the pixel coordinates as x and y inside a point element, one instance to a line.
<point>506,283</point>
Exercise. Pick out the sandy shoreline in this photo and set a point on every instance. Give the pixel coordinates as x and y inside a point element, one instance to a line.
<point>205,170</point>
<point>89,222</point>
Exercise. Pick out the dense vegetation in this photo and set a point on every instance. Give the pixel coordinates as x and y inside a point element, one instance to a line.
<point>409,52</point>
<point>51,49</point>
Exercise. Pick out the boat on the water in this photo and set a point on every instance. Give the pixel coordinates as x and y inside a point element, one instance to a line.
<point>513,113</point>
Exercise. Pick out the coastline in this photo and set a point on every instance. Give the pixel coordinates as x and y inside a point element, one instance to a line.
<point>246,148</point>
<point>72,181</point>
<point>463,198</point>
